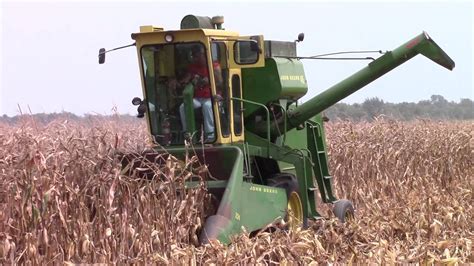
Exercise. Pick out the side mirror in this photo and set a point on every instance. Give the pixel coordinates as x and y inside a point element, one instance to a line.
<point>141,106</point>
<point>101,56</point>
<point>141,110</point>
<point>300,37</point>
<point>136,101</point>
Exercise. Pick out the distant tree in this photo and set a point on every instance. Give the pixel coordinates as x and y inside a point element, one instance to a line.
<point>438,100</point>
<point>466,109</point>
<point>373,107</point>
<point>437,107</point>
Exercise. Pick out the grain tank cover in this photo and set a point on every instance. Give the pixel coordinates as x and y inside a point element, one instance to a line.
<point>281,78</point>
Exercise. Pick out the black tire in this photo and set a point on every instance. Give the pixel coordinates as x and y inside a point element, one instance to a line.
<point>344,210</point>
<point>284,180</point>
<point>288,182</point>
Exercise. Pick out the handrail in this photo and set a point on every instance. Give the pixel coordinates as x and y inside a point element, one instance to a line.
<point>268,118</point>
<point>284,122</point>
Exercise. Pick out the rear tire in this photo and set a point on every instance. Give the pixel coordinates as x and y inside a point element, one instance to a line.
<point>344,210</point>
<point>294,216</point>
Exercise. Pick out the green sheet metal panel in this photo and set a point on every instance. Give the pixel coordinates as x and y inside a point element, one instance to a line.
<point>261,205</point>
<point>281,78</point>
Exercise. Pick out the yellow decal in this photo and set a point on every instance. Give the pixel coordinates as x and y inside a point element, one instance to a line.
<point>294,78</point>
<point>237,216</point>
<point>263,189</point>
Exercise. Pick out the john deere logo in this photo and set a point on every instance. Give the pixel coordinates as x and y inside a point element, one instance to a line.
<point>263,189</point>
<point>299,78</point>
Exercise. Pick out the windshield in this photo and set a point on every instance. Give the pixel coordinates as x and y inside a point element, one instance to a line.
<point>178,92</point>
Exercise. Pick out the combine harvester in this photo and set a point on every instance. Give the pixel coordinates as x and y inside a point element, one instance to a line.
<point>266,153</point>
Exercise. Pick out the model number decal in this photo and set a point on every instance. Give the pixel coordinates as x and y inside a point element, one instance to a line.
<point>263,189</point>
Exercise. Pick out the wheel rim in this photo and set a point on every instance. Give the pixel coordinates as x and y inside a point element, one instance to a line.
<point>348,215</point>
<point>294,211</point>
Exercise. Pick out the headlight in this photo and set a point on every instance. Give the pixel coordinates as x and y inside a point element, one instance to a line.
<point>169,38</point>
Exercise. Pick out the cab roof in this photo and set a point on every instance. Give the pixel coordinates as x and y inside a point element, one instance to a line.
<point>152,30</point>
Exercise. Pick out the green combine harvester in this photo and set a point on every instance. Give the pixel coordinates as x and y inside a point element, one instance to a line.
<point>235,99</point>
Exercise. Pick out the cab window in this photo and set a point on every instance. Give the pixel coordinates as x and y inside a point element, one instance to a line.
<point>237,105</point>
<point>246,52</point>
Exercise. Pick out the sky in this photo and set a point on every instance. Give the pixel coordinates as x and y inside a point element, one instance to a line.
<point>49,49</point>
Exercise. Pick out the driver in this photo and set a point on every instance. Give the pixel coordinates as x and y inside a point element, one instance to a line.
<point>198,74</point>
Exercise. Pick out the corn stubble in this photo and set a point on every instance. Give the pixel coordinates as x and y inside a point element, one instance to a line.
<point>64,197</point>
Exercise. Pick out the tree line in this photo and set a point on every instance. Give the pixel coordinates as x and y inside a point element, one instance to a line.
<point>46,118</point>
<point>436,108</point>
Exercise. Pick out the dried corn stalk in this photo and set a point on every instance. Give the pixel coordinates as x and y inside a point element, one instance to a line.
<point>64,197</point>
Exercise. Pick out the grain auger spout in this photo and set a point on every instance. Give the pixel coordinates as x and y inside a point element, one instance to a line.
<point>421,44</point>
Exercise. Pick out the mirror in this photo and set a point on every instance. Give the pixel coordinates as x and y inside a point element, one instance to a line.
<point>254,46</point>
<point>136,101</point>
<point>246,52</point>
<point>141,110</point>
<point>300,37</point>
<point>101,55</point>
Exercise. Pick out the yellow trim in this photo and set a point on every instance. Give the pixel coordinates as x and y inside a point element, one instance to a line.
<point>158,37</point>
<point>217,122</point>
<point>150,28</point>
<point>205,32</point>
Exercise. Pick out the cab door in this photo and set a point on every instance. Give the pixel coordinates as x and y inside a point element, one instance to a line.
<point>244,52</point>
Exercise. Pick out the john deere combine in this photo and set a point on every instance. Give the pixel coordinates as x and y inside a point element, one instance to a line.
<point>235,99</point>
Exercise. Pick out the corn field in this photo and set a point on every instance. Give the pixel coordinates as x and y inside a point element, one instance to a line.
<point>65,198</point>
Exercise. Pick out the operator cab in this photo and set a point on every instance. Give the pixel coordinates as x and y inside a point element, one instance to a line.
<point>192,82</point>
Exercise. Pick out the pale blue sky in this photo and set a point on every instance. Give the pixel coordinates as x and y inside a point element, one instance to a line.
<point>49,49</point>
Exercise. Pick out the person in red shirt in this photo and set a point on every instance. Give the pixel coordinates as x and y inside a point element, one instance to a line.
<point>198,74</point>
